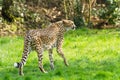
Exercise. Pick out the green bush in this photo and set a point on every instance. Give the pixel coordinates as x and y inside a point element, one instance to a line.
<point>111,12</point>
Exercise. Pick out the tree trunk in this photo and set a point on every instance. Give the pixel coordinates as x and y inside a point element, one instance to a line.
<point>65,9</point>
<point>89,17</point>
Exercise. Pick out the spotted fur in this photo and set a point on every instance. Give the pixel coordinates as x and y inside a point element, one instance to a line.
<point>45,39</point>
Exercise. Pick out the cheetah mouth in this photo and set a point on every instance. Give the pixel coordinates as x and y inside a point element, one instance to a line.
<point>73,28</point>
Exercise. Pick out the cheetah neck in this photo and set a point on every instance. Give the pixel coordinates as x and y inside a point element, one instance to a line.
<point>60,26</point>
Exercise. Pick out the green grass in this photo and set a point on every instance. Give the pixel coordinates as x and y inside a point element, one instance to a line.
<point>92,55</point>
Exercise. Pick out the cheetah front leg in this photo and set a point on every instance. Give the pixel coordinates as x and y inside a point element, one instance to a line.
<point>51,58</point>
<point>60,52</point>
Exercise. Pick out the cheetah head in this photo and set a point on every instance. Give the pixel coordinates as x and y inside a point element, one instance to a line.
<point>68,24</point>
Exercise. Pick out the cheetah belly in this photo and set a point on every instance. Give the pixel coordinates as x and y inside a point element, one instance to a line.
<point>49,43</point>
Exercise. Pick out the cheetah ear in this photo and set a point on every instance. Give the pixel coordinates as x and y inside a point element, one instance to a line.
<point>64,21</point>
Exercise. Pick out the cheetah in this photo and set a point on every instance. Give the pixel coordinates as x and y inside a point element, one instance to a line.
<point>45,39</point>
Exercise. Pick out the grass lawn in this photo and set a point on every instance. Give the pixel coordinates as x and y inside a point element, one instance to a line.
<point>92,55</point>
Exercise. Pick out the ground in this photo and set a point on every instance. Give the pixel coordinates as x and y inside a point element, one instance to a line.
<point>92,55</point>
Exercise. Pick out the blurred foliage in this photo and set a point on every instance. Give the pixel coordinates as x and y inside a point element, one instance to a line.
<point>111,12</point>
<point>6,12</point>
<point>78,18</point>
<point>40,13</point>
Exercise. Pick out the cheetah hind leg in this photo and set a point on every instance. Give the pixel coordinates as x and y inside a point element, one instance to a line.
<point>40,57</point>
<point>18,65</point>
<point>25,54</point>
<point>51,58</point>
<point>40,62</point>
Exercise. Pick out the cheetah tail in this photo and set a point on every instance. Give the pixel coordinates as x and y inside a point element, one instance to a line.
<point>16,65</point>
